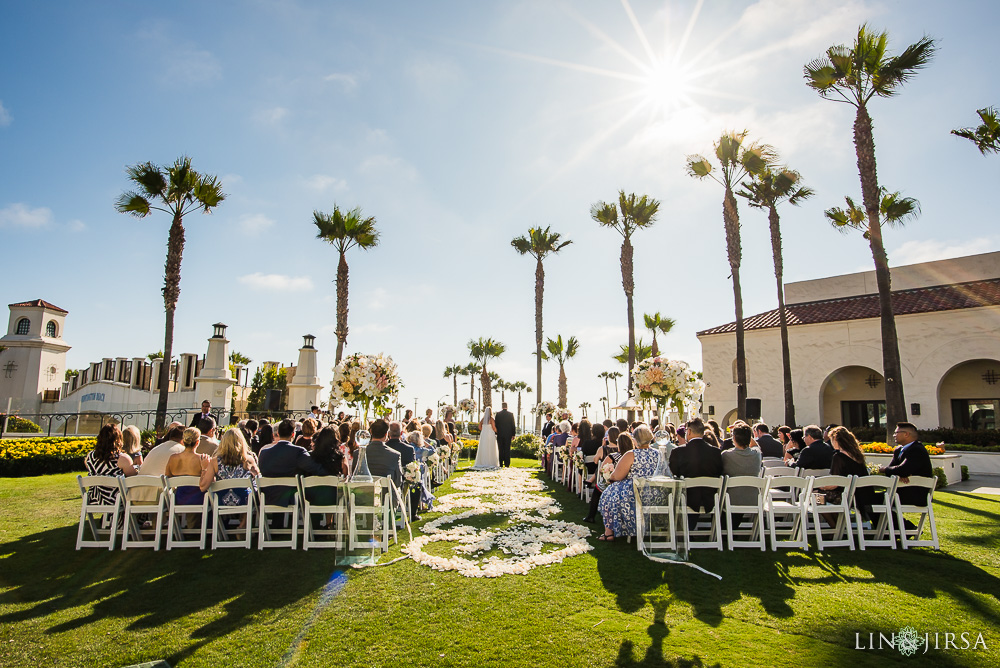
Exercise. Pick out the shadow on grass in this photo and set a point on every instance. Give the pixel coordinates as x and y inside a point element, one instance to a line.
<point>47,576</point>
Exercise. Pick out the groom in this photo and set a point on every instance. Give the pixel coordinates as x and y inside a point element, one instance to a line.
<point>505,432</point>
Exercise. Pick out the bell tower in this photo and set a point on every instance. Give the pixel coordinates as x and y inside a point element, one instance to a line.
<point>33,366</point>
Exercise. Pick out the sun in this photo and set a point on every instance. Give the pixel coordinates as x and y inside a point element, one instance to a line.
<point>664,87</point>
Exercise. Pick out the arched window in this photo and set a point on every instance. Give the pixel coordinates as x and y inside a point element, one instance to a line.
<point>23,325</point>
<point>50,329</point>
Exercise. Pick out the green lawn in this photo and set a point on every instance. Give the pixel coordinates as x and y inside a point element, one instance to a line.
<point>611,606</point>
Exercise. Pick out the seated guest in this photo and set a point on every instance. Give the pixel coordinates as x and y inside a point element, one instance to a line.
<point>233,460</point>
<point>617,505</point>
<point>209,444</point>
<point>264,438</point>
<point>427,431</point>
<point>166,431</point>
<point>420,449</point>
<point>441,433</point>
<point>783,433</point>
<point>794,446</point>
<point>284,459</point>
<point>817,454</point>
<point>155,463</point>
<point>107,458</point>
<point>308,430</point>
<point>681,434</point>
<point>326,452</point>
<point>344,433</point>
<point>848,459</point>
<point>132,445</point>
<point>711,438</point>
<point>741,459</point>
<point>909,458</point>
<point>697,459</point>
<point>583,433</point>
<point>609,454</point>
<point>187,462</point>
<point>769,445</point>
<point>728,443</point>
<point>383,460</point>
<point>591,438</point>
<point>716,429</point>
<point>407,453</point>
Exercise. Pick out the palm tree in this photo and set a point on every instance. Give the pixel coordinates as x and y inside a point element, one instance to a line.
<point>641,352</point>
<point>604,405</point>
<point>561,353</point>
<point>605,376</point>
<point>539,243</point>
<point>656,323</point>
<point>472,369</point>
<point>483,350</point>
<point>632,214</point>
<point>176,190</point>
<point>855,75</point>
<point>615,375</point>
<point>519,386</point>
<point>345,230</point>
<point>583,409</point>
<point>453,372</point>
<point>765,191</point>
<point>986,137</point>
<point>496,383</point>
<point>736,163</point>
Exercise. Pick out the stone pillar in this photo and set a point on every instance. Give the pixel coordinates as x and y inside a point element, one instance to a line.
<point>215,382</point>
<point>303,391</point>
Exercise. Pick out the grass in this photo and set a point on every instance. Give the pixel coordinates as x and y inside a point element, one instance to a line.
<point>611,606</point>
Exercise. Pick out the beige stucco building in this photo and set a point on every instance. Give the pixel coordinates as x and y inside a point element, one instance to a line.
<point>948,323</point>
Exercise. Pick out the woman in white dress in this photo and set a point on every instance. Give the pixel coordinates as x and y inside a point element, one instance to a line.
<point>488,454</point>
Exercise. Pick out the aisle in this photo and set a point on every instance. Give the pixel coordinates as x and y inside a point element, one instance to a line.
<point>514,533</point>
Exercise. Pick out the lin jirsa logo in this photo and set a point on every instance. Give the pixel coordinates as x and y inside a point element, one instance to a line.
<point>908,641</point>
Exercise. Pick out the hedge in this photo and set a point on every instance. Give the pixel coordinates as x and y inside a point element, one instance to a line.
<point>20,425</point>
<point>969,439</point>
<point>883,449</point>
<point>39,456</point>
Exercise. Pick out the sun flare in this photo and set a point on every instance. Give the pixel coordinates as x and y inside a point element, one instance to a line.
<point>664,87</point>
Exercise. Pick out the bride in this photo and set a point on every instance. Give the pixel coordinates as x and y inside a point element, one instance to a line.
<point>488,454</point>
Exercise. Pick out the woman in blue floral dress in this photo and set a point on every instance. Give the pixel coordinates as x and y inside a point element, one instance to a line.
<point>617,505</point>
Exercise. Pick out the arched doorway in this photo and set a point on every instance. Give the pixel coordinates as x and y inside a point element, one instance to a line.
<point>853,396</point>
<point>969,395</point>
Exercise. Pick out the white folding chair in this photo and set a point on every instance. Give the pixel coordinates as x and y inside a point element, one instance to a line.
<point>656,503</point>
<point>376,516</point>
<point>712,534</point>
<point>586,492</point>
<point>335,516</point>
<point>557,465</point>
<point>221,514</point>
<point>136,506</point>
<point>781,470</point>
<point>179,516</point>
<point>794,528</point>
<point>840,534</point>
<point>911,537</point>
<point>816,473</point>
<point>754,536</point>
<point>881,533</point>
<point>284,504</point>
<point>100,518</point>
<point>770,462</point>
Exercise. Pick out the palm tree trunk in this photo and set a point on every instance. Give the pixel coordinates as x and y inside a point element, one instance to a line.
<point>341,306</point>
<point>562,387</point>
<point>864,143</point>
<point>171,293</point>
<point>654,350</point>
<point>629,285</point>
<point>616,391</point>
<point>454,379</point>
<point>786,360</point>
<point>519,409</point>
<point>487,386</point>
<point>731,218</point>
<point>539,293</point>
<point>472,385</point>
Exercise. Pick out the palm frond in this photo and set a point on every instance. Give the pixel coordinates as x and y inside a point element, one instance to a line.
<point>133,203</point>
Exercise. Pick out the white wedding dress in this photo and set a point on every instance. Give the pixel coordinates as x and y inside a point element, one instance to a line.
<point>488,454</point>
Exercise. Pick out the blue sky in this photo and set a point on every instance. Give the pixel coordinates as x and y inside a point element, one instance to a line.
<point>458,125</point>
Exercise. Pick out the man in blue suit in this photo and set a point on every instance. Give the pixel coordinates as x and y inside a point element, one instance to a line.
<point>909,458</point>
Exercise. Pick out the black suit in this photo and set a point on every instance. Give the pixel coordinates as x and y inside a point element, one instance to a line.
<point>506,429</point>
<point>770,446</point>
<point>199,417</point>
<point>907,461</point>
<point>407,453</point>
<point>282,459</point>
<point>816,455</point>
<point>694,460</point>
<point>547,429</point>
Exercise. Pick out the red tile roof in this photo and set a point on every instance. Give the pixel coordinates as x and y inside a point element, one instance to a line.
<point>974,294</point>
<point>41,303</point>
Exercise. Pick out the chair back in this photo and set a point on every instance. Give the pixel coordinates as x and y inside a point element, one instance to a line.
<point>805,473</point>
<point>781,471</point>
<point>756,482</point>
<point>918,481</point>
<point>86,482</point>
<point>770,462</point>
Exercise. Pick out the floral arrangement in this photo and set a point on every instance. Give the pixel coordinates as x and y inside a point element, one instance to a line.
<point>444,451</point>
<point>364,381</point>
<point>873,468</point>
<point>544,407</point>
<point>607,468</point>
<point>579,460</point>
<point>412,473</point>
<point>562,414</point>
<point>468,405</point>
<point>669,383</point>
<point>444,410</point>
<point>433,460</point>
<point>456,448</point>
<point>562,452</point>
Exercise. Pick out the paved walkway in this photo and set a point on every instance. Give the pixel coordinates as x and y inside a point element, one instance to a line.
<point>979,483</point>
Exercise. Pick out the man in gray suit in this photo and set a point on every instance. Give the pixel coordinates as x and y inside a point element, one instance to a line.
<point>383,460</point>
<point>506,428</point>
<point>406,452</point>
<point>769,445</point>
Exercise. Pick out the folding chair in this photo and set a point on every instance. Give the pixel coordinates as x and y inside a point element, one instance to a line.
<point>557,465</point>
<point>769,462</point>
<point>284,503</point>
<point>178,514</point>
<point>657,502</point>
<point>96,515</point>
<point>799,490</point>
<point>756,511</point>
<point>816,473</point>
<point>135,507</point>
<point>222,513</point>
<point>713,533</point>
<point>841,534</point>
<point>585,491</point>
<point>911,537</point>
<point>781,470</point>
<point>335,515</point>
<point>374,513</point>
<point>882,533</point>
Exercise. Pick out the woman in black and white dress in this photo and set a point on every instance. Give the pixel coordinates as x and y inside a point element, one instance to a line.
<point>107,458</point>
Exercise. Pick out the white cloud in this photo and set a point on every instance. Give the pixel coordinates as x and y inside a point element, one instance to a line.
<point>913,252</point>
<point>192,65</point>
<point>76,225</point>
<point>348,81</point>
<point>5,117</point>
<point>20,215</point>
<point>271,116</point>
<point>326,182</point>
<point>277,282</point>
<point>255,223</point>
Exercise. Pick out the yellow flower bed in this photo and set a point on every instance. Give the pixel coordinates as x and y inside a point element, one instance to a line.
<point>883,449</point>
<point>22,448</point>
